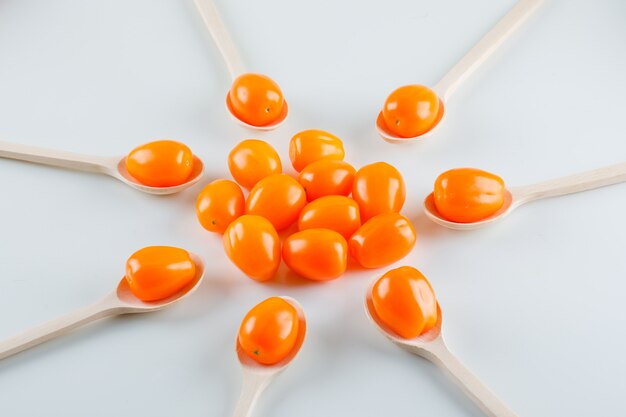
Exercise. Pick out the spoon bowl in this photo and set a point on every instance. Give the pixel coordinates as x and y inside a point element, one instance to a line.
<point>431,346</point>
<point>271,126</point>
<point>122,174</point>
<point>129,300</point>
<point>510,203</point>
<point>410,344</point>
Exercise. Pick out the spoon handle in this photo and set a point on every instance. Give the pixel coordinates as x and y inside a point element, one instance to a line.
<point>486,400</point>
<point>55,158</point>
<point>56,327</point>
<point>485,47</point>
<point>252,387</point>
<point>583,181</point>
<point>224,42</point>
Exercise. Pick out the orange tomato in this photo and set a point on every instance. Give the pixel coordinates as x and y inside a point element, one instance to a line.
<point>327,177</point>
<point>218,204</point>
<point>252,244</point>
<point>312,145</point>
<point>251,161</point>
<point>467,195</point>
<point>378,188</point>
<point>163,163</point>
<point>382,240</point>
<point>279,198</point>
<point>157,272</point>
<point>256,99</point>
<point>269,332</point>
<point>411,110</point>
<point>317,254</point>
<point>334,212</point>
<point>404,300</point>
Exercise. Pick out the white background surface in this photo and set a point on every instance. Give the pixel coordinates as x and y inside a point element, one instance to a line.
<point>534,305</point>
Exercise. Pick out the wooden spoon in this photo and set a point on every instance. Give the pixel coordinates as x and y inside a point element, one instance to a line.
<point>257,377</point>
<point>119,301</point>
<point>114,166</point>
<point>226,46</point>
<point>467,65</point>
<point>431,346</point>
<point>516,196</point>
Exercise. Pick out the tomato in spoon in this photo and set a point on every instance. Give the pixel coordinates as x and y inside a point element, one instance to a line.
<point>256,99</point>
<point>405,301</point>
<point>411,110</point>
<point>157,272</point>
<point>467,195</point>
<point>269,332</point>
<point>163,163</point>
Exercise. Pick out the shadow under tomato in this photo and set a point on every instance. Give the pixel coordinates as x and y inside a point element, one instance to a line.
<point>285,277</point>
<point>355,266</point>
<point>424,227</point>
<point>284,234</point>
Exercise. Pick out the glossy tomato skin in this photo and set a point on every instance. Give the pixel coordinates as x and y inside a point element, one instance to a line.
<point>252,244</point>
<point>405,301</point>
<point>219,204</point>
<point>382,240</point>
<point>317,254</point>
<point>378,188</point>
<point>157,272</point>
<point>467,195</point>
<point>279,198</point>
<point>269,332</point>
<point>313,145</point>
<point>252,160</point>
<point>256,99</point>
<point>162,163</point>
<point>411,110</point>
<point>333,212</point>
<point>327,177</point>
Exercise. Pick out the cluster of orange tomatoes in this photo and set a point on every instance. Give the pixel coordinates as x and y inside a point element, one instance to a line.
<point>338,211</point>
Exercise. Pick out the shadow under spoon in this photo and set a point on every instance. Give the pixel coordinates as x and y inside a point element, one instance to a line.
<point>119,301</point>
